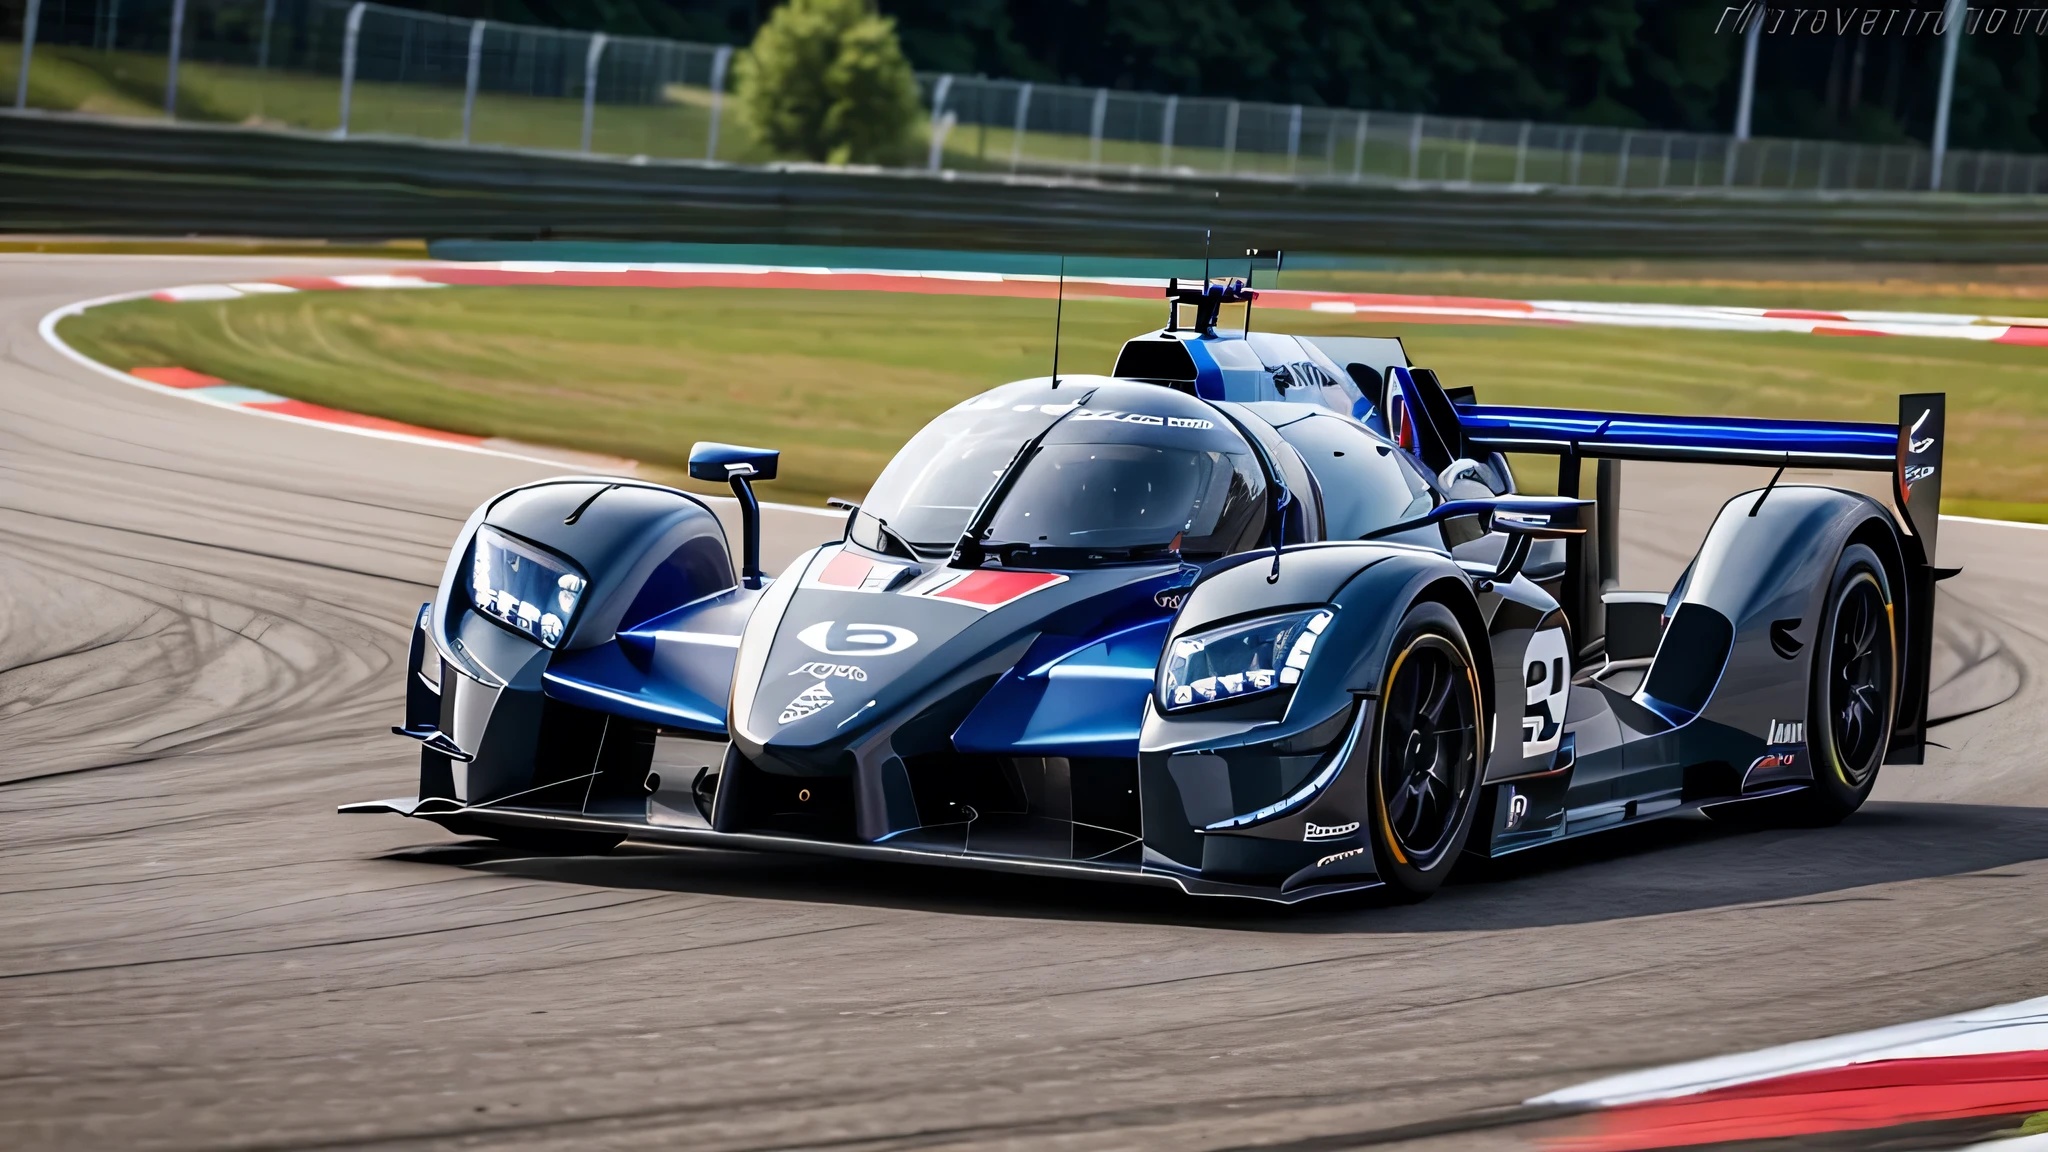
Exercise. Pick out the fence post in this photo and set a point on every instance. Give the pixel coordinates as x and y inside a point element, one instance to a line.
<point>940,91</point>
<point>1095,115</point>
<point>113,24</point>
<point>177,46</point>
<point>1471,147</point>
<point>351,33</point>
<point>28,51</point>
<point>1166,132</point>
<point>1522,152</point>
<point>590,61</point>
<point>1664,164</point>
<point>1293,137</point>
<point>1578,151</point>
<point>1017,131</point>
<point>1358,147</point>
<point>1230,137</point>
<point>1415,147</point>
<point>476,63</point>
<point>263,49</point>
<point>1621,168</point>
<point>1745,98</point>
<point>720,61</point>
<point>1953,40</point>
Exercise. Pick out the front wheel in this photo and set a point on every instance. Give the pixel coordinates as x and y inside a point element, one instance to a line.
<point>1424,761</point>
<point>1855,691</point>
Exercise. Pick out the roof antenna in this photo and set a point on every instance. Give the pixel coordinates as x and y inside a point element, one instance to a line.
<point>1249,255</point>
<point>1058,307</point>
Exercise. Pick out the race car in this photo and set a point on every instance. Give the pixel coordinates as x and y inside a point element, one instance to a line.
<point>1254,615</point>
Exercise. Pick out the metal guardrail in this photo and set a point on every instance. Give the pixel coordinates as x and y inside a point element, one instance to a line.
<point>364,68</point>
<point>63,172</point>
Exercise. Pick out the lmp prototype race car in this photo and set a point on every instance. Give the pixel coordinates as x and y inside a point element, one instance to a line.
<point>1254,615</point>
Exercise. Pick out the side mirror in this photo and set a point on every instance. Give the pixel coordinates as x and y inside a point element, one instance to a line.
<point>1523,518</point>
<point>715,462</point>
<point>1534,517</point>
<point>739,466</point>
<point>1539,517</point>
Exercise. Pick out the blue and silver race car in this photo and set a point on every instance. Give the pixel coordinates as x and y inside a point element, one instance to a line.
<point>1252,615</point>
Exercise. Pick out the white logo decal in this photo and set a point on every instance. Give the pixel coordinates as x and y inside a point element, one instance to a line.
<point>1316,831</point>
<point>1518,807</point>
<point>1329,860</point>
<point>821,670</point>
<point>1547,665</point>
<point>816,698</point>
<point>1787,732</point>
<point>860,639</point>
<point>1142,418</point>
<point>1919,446</point>
<point>1917,473</point>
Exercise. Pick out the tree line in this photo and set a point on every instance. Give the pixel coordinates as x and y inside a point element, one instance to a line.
<point>1869,74</point>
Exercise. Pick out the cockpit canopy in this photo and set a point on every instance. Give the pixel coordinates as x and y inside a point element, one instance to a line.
<point>1095,470</point>
<point>1100,470</point>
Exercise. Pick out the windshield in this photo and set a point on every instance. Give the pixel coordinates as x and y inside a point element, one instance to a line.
<point>938,479</point>
<point>1129,501</point>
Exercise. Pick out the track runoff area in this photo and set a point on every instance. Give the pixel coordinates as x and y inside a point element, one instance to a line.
<point>1975,1079</point>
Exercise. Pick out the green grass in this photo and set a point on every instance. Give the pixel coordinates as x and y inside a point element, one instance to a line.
<point>71,78</point>
<point>839,379</point>
<point>208,246</point>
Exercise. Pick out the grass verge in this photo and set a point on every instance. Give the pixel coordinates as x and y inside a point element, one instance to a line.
<point>839,379</point>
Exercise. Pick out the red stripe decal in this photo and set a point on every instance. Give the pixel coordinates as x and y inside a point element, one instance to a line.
<point>326,415</point>
<point>1826,330</point>
<point>987,589</point>
<point>176,377</point>
<point>309,283</point>
<point>1860,1096</point>
<point>845,570</point>
<point>2022,334</point>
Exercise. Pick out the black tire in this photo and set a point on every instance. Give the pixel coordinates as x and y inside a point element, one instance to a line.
<point>1424,754</point>
<point>1854,693</point>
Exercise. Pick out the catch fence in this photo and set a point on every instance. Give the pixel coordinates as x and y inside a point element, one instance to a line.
<point>356,69</point>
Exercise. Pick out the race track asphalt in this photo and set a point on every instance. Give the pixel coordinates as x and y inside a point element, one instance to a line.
<point>202,621</point>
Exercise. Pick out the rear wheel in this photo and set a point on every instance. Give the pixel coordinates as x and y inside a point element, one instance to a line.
<point>1425,753</point>
<point>1855,691</point>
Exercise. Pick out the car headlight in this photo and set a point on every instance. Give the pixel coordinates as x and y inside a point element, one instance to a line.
<point>1240,660</point>
<point>532,592</point>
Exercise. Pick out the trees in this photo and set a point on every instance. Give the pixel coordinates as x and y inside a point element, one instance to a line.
<point>826,80</point>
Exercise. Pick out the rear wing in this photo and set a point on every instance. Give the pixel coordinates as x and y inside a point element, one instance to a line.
<point>1910,450</point>
<point>1440,426</point>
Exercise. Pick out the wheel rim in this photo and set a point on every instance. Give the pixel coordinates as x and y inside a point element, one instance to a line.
<point>1860,679</point>
<point>1427,750</point>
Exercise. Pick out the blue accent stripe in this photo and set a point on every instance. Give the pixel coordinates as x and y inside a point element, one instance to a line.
<point>1709,439</point>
